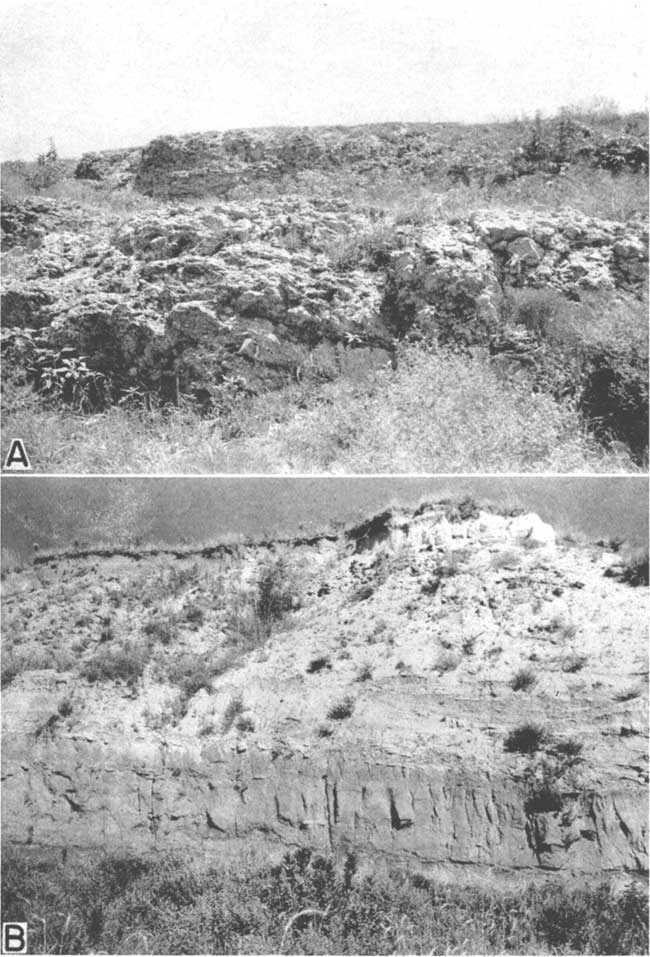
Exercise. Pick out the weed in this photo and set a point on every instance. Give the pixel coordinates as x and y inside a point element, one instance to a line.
<point>318,664</point>
<point>343,709</point>
<point>526,739</point>
<point>635,570</point>
<point>462,511</point>
<point>234,710</point>
<point>446,662</point>
<point>523,680</point>
<point>362,593</point>
<point>467,645</point>
<point>65,707</point>
<point>325,731</point>
<point>364,673</point>
<point>573,663</point>
<point>194,614</point>
<point>191,672</point>
<point>245,724</point>
<point>568,751</point>
<point>162,628</point>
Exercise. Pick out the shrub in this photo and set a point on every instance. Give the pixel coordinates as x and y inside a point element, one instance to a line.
<point>194,614</point>
<point>318,664</point>
<point>65,707</point>
<point>445,662</point>
<point>234,709</point>
<point>365,673</point>
<point>162,628</point>
<point>275,590</point>
<point>526,739</point>
<point>193,672</point>
<point>125,662</point>
<point>462,511</point>
<point>573,663</point>
<point>523,680</point>
<point>568,751</point>
<point>343,709</point>
<point>635,570</point>
<point>245,724</point>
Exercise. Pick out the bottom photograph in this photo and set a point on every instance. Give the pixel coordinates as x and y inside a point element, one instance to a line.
<point>342,715</point>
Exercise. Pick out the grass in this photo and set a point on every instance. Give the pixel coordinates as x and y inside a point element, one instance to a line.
<point>439,411</point>
<point>305,904</point>
<point>523,680</point>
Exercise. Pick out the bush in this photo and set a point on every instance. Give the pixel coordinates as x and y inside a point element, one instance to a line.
<point>125,662</point>
<point>445,662</point>
<point>523,680</point>
<point>342,710</point>
<point>526,739</point>
<point>162,628</point>
<point>234,709</point>
<point>192,672</point>
<point>318,664</point>
<point>635,570</point>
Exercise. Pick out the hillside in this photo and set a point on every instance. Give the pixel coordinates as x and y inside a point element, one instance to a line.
<point>220,301</point>
<point>448,690</point>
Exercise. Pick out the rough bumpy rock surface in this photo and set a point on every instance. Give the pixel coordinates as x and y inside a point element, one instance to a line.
<point>185,299</point>
<point>378,715</point>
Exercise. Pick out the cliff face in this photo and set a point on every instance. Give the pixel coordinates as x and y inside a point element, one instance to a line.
<point>450,696</point>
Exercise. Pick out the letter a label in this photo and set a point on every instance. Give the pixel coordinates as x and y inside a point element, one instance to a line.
<point>17,460</point>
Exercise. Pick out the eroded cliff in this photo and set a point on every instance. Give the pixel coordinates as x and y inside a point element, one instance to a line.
<point>445,692</point>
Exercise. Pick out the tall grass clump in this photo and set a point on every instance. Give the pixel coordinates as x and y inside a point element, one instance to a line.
<point>440,411</point>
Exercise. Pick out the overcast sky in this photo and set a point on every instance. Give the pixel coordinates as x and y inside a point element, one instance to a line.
<point>95,75</point>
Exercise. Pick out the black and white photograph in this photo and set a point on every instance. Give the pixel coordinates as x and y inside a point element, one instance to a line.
<point>337,716</point>
<point>324,501</point>
<point>294,236</point>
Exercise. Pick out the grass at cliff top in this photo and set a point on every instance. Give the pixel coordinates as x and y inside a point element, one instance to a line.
<point>132,905</point>
<point>438,412</point>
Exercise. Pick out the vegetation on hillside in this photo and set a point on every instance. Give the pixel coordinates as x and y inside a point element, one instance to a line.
<point>306,904</point>
<point>575,398</point>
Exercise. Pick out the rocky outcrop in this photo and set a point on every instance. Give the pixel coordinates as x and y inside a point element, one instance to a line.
<point>282,289</point>
<point>492,724</point>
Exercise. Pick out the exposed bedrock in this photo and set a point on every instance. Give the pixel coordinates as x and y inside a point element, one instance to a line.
<point>425,813</point>
<point>286,288</point>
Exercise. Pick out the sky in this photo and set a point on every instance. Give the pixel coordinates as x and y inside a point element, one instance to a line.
<point>116,73</point>
<point>54,511</point>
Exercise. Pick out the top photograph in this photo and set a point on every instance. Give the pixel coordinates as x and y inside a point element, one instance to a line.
<point>335,238</point>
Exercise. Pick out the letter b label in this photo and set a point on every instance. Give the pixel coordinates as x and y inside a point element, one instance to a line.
<point>14,938</point>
